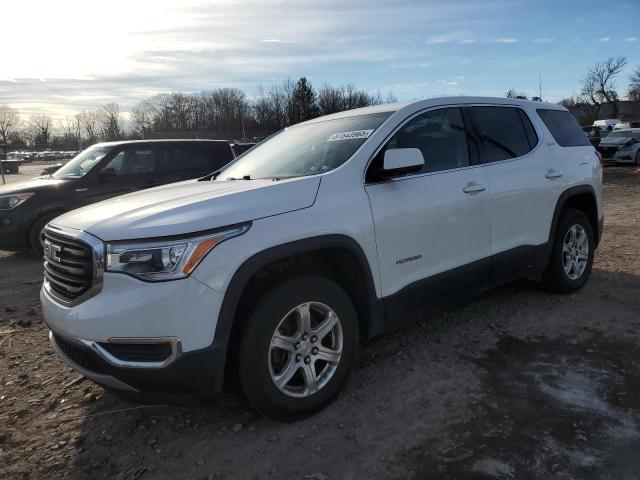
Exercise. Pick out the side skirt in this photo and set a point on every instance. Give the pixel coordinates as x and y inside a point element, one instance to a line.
<point>445,289</point>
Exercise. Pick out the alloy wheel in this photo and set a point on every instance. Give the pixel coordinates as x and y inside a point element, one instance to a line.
<point>305,349</point>
<point>575,252</point>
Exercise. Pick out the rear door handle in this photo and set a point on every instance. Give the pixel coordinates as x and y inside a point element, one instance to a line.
<point>472,187</point>
<point>553,173</point>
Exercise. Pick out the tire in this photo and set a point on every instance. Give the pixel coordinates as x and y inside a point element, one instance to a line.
<point>261,364</point>
<point>556,277</point>
<point>637,162</point>
<point>35,233</point>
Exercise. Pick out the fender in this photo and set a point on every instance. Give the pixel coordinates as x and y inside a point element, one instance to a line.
<point>562,200</point>
<point>240,279</point>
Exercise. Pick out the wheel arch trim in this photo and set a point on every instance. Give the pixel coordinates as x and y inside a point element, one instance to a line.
<point>253,264</point>
<point>564,197</point>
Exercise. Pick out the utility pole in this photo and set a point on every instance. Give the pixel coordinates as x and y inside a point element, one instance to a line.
<point>4,156</point>
<point>540,87</point>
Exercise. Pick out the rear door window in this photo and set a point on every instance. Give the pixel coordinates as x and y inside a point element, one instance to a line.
<point>505,133</point>
<point>133,161</point>
<point>185,161</point>
<point>564,128</point>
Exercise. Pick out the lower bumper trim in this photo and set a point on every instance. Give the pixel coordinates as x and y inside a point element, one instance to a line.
<point>199,372</point>
<point>101,378</point>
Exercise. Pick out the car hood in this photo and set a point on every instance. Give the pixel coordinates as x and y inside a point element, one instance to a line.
<point>32,185</point>
<point>191,206</point>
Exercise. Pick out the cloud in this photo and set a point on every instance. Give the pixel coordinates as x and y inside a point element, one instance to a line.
<point>605,39</point>
<point>631,39</point>
<point>272,40</point>
<point>452,82</point>
<point>462,38</point>
<point>506,40</point>
<point>542,41</point>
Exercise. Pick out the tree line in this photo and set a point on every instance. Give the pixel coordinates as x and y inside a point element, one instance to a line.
<point>224,113</point>
<point>597,88</point>
<point>228,113</point>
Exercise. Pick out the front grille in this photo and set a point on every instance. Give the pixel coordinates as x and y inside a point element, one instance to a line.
<point>81,356</point>
<point>68,265</point>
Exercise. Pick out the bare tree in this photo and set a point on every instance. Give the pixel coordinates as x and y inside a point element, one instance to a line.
<point>142,116</point>
<point>634,86</point>
<point>513,93</point>
<point>599,83</point>
<point>110,122</point>
<point>71,133</point>
<point>581,107</point>
<point>9,122</point>
<point>39,130</point>
<point>89,122</point>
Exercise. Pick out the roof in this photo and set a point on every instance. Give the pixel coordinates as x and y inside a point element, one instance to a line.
<point>156,140</point>
<point>433,102</point>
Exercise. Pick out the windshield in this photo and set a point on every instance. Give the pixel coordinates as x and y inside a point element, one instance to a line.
<point>81,164</point>
<point>623,135</point>
<point>305,149</point>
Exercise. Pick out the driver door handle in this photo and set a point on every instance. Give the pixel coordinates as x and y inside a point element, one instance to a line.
<point>553,173</point>
<point>472,187</point>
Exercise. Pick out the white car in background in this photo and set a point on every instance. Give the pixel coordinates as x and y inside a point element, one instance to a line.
<point>606,125</point>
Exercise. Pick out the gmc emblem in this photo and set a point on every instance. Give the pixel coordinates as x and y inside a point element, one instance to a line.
<point>52,251</point>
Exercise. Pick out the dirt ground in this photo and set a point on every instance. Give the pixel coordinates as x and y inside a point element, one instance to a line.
<point>515,384</point>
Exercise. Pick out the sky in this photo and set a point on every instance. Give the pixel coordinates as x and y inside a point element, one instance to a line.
<point>65,56</point>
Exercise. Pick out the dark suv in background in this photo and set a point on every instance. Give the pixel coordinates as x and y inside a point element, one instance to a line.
<point>102,171</point>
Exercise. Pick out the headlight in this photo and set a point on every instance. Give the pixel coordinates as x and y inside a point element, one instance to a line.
<point>7,202</point>
<point>165,259</point>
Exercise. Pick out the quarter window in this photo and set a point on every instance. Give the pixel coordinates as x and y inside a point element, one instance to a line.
<point>439,134</point>
<point>564,128</point>
<point>505,132</point>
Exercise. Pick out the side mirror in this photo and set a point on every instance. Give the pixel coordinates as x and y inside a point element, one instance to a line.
<point>403,160</point>
<point>106,174</point>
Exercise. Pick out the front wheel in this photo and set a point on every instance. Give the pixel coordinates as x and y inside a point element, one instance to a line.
<point>298,347</point>
<point>36,233</point>
<point>572,254</point>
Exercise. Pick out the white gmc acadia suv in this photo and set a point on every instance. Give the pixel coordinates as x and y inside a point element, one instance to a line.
<point>271,270</point>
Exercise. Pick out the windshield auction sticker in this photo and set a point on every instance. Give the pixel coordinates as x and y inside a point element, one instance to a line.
<point>350,135</point>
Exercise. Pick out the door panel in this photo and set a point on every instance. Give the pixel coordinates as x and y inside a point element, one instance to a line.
<point>437,220</point>
<point>524,179</point>
<point>428,225</point>
<point>524,192</point>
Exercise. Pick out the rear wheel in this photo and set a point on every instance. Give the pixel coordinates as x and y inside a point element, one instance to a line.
<point>298,347</point>
<point>572,254</point>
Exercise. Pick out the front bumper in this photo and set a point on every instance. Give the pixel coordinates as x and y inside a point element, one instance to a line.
<point>106,337</point>
<point>14,230</point>
<point>194,373</point>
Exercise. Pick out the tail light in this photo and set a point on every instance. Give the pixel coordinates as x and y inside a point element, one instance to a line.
<point>599,155</point>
